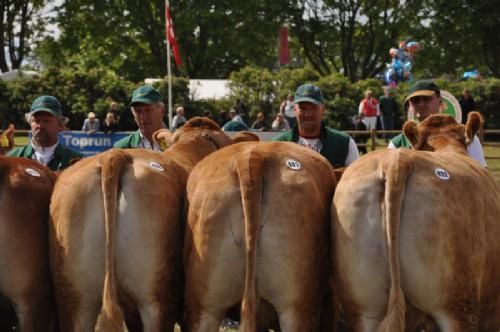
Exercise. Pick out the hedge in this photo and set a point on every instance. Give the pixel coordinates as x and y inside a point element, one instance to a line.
<point>262,91</point>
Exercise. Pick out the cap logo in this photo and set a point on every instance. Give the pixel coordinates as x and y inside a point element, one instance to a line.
<point>141,94</point>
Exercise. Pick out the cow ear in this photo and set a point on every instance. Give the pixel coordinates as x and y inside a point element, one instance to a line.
<point>410,130</point>
<point>245,136</point>
<point>162,138</point>
<point>474,123</point>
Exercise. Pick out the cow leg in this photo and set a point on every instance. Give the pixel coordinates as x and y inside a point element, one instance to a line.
<point>449,323</point>
<point>33,312</point>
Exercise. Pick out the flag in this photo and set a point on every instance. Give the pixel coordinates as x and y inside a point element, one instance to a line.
<point>171,37</point>
<point>284,57</point>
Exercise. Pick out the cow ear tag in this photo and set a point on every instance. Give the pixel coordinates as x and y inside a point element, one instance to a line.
<point>442,174</point>
<point>32,172</point>
<point>293,164</point>
<point>154,165</point>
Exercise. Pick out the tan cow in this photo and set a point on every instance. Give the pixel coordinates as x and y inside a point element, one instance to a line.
<point>421,226</point>
<point>25,189</point>
<point>258,230</point>
<point>117,233</point>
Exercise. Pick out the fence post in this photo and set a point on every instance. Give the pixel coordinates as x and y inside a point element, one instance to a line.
<point>373,134</point>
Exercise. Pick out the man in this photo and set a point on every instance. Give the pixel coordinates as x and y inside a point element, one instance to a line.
<point>389,109</point>
<point>337,147</point>
<point>91,124</point>
<point>148,111</point>
<point>45,119</point>
<point>179,118</point>
<point>280,123</point>
<point>424,99</point>
<point>467,104</point>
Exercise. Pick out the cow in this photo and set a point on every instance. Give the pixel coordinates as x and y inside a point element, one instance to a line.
<point>116,233</point>
<point>417,232</point>
<point>25,283</point>
<point>258,231</point>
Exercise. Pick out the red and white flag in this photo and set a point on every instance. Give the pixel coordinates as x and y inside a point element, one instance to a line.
<point>171,36</point>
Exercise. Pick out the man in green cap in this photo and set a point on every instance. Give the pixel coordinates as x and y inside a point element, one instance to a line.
<point>424,99</point>
<point>339,148</point>
<point>148,110</point>
<point>45,119</point>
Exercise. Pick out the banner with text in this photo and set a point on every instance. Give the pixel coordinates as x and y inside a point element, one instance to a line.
<point>90,144</point>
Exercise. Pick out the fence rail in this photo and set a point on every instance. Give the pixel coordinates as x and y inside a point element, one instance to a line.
<point>375,138</point>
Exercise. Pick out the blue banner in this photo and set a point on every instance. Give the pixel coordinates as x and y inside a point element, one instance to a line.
<point>90,144</point>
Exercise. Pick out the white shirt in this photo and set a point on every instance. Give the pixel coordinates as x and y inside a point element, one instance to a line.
<point>316,145</point>
<point>43,154</point>
<point>146,144</point>
<point>475,150</point>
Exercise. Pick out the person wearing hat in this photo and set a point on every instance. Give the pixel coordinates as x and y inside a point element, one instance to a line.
<point>91,124</point>
<point>424,99</point>
<point>148,111</point>
<point>45,119</point>
<point>339,148</point>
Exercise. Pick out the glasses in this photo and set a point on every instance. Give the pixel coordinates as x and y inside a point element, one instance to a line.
<point>418,99</point>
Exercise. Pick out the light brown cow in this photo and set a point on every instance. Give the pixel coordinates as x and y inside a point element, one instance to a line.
<point>258,230</point>
<point>25,283</point>
<point>117,232</point>
<point>421,226</point>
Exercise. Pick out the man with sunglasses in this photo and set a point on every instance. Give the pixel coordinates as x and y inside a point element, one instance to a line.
<point>424,99</point>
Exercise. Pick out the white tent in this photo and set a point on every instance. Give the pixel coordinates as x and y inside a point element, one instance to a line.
<point>13,74</point>
<point>203,89</point>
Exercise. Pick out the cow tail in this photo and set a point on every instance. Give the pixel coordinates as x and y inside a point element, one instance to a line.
<point>397,172</point>
<point>250,175</point>
<point>111,314</point>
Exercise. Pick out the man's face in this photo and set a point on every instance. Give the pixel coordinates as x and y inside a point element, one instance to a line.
<point>423,106</point>
<point>309,115</point>
<point>149,117</point>
<point>44,128</point>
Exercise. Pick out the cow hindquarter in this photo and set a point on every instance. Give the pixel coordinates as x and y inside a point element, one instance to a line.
<point>24,264</point>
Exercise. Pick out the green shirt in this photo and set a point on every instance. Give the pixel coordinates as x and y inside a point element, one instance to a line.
<point>400,141</point>
<point>335,144</point>
<point>61,160</point>
<point>132,141</point>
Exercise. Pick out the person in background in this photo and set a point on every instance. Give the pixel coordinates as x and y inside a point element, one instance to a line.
<point>234,116</point>
<point>280,123</point>
<point>110,124</point>
<point>286,109</point>
<point>309,107</point>
<point>148,110</point>
<point>45,119</point>
<point>260,123</point>
<point>369,110</point>
<point>389,109</point>
<point>223,118</point>
<point>467,104</point>
<point>91,124</point>
<point>424,99</point>
<point>179,119</point>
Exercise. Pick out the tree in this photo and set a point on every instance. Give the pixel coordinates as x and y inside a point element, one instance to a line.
<point>351,36</point>
<point>128,36</point>
<point>19,23</point>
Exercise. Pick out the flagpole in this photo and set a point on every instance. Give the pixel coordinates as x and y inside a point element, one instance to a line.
<point>169,70</point>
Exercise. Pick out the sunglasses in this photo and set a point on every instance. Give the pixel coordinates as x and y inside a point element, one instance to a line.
<point>418,99</point>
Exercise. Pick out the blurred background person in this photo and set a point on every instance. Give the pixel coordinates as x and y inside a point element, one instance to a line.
<point>110,124</point>
<point>91,124</point>
<point>280,123</point>
<point>260,123</point>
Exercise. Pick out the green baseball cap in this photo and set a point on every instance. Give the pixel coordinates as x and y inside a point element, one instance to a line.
<point>47,104</point>
<point>308,93</point>
<point>145,94</point>
<point>422,88</point>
